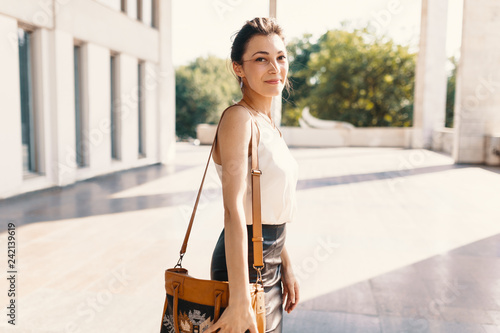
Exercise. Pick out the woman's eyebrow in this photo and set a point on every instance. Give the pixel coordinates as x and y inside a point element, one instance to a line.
<point>265,52</point>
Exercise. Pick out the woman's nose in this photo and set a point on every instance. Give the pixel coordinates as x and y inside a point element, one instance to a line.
<point>275,66</point>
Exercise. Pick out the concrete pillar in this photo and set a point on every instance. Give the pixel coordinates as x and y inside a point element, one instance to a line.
<point>127,105</point>
<point>99,113</point>
<point>477,100</point>
<point>276,106</point>
<point>42,100</point>
<point>430,80</point>
<point>63,108</point>
<point>150,89</point>
<point>272,8</point>
<point>11,168</point>
<point>166,85</point>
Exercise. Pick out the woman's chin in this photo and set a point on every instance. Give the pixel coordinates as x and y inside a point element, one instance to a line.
<point>269,91</point>
<point>273,92</point>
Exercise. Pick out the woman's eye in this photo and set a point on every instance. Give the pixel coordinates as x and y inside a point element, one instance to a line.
<point>260,60</point>
<point>281,57</point>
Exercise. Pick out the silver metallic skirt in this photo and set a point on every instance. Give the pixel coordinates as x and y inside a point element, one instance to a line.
<point>274,240</point>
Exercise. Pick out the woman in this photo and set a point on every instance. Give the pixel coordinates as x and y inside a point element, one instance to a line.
<point>259,60</point>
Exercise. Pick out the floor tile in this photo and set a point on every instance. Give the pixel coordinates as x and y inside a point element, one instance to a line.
<point>379,244</point>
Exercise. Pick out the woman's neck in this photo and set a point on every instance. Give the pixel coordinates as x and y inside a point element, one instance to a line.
<point>258,102</point>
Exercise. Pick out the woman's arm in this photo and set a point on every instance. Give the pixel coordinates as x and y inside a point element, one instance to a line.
<point>233,141</point>
<point>290,284</point>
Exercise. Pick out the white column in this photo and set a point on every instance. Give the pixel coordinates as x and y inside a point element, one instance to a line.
<point>132,9</point>
<point>150,90</point>
<point>276,106</point>
<point>477,100</point>
<point>42,99</point>
<point>272,8</point>
<point>128,108</point>
<point>166,85</point>
<point>11,168</point>
<point>99,110</point>
<point>430,79</point>
<point>63,108</point>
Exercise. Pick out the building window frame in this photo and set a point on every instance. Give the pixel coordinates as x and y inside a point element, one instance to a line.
<point>114,112</point>
<point>141,111</point>
<point>80,115</point>
<point>123,6</point>
<point>29,123</point>
<point>154,14</point>
<point>139,10</point>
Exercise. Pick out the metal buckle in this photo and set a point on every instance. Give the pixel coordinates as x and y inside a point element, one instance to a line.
<point>256,172</point>
<point>259,275</point>
<point>179,262</point>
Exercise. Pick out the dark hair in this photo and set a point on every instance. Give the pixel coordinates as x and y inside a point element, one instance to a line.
<point>262,26</point>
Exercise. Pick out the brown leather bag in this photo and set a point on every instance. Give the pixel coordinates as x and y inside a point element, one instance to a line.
<point>193,305</point>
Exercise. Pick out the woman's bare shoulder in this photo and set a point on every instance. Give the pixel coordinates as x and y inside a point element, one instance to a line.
<point>236,118</point>
<point>234,133</point>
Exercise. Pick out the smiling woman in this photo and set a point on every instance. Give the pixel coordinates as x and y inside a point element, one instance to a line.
<point>267,42</point>
<point>260,63</point>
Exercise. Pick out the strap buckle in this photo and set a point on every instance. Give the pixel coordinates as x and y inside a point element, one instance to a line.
<point>179,262</point>
<point>257,172</point>
<point>259,274</point>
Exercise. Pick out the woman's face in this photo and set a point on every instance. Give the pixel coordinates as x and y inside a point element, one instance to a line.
<point>265,65</point>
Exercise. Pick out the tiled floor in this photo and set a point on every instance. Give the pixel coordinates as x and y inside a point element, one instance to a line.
<point>386,240</point>
<point>458,291</point>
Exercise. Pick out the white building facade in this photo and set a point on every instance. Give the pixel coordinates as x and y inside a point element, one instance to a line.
<point>87,87</point>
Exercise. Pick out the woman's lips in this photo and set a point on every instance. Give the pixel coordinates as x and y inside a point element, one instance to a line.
<point>273,81</point>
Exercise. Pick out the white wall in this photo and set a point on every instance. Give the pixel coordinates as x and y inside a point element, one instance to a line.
<point>90,21</point>
<point>113,4</point>
<point>101,29</point>
<point>313,137</point>
<point>10,110</point>
<point>34,12</point>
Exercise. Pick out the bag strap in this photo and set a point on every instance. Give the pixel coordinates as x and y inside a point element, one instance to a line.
<point>257,238</point>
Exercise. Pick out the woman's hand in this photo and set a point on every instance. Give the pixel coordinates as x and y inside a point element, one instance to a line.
<point>290,290</point>
<point>290,283</point>
<point>235,319</point>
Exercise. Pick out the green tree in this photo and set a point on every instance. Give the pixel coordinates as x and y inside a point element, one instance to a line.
<point>299,54</point>
<point>450,93</point>
<point>203,89</point>
<point>355,77</point>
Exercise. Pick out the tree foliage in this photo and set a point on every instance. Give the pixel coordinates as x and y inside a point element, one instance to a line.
<point>203,89</point>
<point>346,74</point>
<point>351,76</point>
<point>450,93</point>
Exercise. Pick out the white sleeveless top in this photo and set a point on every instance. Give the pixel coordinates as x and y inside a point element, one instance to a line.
<point>279,177</point>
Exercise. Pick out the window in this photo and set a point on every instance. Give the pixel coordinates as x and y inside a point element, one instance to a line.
<point>139,10</point>
<point>123,6</point>
<point>114,124</point>
<point>140,108</point>
<point>80,146</point>
<point>154,13</point>
<point>26,91</point>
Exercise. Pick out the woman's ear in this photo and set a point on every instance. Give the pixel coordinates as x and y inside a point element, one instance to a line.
<point>238,70</point>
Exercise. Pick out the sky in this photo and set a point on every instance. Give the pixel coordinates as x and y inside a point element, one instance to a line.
<point>205,27</point>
